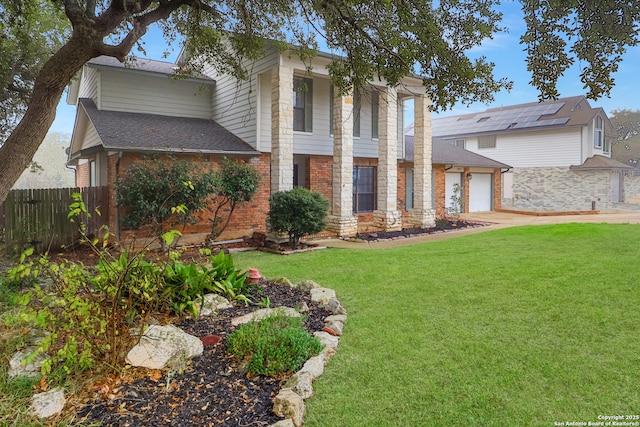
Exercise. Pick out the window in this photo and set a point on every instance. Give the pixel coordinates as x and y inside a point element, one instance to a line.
<point>597,132</point>
<point>356,114</point>
<point>607,146</point>
<point>331,100</point>
<point>302,104</point>
<point>457,142</point>
<point>487,141</point>
<point>364,188</point>
<point>93,175</point>
<point>409,196</point>
<point>374,113</point>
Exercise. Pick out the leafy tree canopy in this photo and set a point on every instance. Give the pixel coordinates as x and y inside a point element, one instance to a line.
<point>626,143</point>
<point>389,38</point>
<point>30,32</point>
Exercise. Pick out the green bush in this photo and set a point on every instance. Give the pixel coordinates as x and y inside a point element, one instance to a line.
<point>238,182</point>
<point>151,190</point>
<point>275,344</point>
<point>297,212</point>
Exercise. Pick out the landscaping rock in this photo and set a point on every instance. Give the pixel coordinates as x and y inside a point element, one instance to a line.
<point>336,318</point>
<point>47,404</point>
<point>283,423</point>
<point>323,295</point>
<point>32,370</point>
<point>314,366</point>
<point>258,315</point>
<point>163,344</point>
<point>283,281</point>
<point>329,341</point>
<point>302,384</point>
<point>334,306</point>
<point>213,303</point>
<point>288,404</point>
<point>307,285</point>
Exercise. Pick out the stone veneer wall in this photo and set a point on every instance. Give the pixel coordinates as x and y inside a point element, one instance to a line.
<point>560,189</point>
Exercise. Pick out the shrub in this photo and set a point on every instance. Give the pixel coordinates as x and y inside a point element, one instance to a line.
<point>237,183</point>
<point>151,190</point>
<point>275,344</point>
<point>297,212</point>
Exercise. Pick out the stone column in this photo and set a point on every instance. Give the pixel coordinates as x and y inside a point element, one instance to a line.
<point>342,221</point>
<point>387,216</point>
<point>281,136</point>
<point>422,214</point>
<point>281,129</point>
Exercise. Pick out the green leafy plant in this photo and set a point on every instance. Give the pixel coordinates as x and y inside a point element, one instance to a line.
<point>156,192</point>
<point>457,201</point>
<point>442,222</point>
<point>275,344</point>
<point>237,183</point>
<point>297,212</point>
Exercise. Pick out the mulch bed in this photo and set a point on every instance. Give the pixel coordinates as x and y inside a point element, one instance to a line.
<point>213,389</point>
<point>450,225</point>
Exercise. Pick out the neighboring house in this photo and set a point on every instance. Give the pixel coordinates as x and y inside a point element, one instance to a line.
<point>285,120</point>
<point>560,153</point>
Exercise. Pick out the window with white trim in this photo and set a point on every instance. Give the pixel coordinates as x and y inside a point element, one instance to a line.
<point>302,104</point>
<point>597,132</point>
<point>375,97</point>
<point>457,142</point>
<point>487,141</point>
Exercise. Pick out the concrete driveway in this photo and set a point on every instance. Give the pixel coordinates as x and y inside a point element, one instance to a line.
<point>496,220</point>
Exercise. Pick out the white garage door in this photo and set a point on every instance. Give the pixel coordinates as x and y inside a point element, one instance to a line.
<point>480,192</point>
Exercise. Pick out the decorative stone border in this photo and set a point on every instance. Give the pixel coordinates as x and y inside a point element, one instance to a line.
<point>289,402</point>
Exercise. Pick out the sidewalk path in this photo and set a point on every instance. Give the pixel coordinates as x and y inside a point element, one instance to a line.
<point>497,221</point>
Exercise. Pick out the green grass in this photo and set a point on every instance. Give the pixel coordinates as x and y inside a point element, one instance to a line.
<point>520,326</point>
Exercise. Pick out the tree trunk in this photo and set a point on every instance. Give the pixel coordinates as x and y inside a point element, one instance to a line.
<point>18,150</point>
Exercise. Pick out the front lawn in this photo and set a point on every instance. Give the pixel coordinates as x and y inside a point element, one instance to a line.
<point>523,326</point>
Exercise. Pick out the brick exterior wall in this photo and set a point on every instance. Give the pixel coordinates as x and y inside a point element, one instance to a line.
<point>319,175</point>
<point>247,217</point>
<point>440,190</point>
<point>82,175</point>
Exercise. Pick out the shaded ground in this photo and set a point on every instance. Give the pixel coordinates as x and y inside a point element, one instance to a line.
<point>212,390</point>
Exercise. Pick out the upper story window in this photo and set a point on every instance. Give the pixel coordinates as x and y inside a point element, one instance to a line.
<point>607,146</point>
<point>597,132</point>
<point>331,101</point>
<point>487,141</point>
<point>302,104</point>
<point>357,102</point>
<point>457,142</point>
<point>374,113</point>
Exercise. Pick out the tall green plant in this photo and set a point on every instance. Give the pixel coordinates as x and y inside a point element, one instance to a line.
<point>297,212</point>
<point>237,183</point>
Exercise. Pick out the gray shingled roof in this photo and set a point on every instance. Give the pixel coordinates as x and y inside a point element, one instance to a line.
<point>153,133</point>
<point>601,162</point>
<point>142,64</point>
<point>447,154</point>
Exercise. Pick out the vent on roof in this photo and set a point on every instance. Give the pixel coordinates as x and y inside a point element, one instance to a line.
<point>483,119</point>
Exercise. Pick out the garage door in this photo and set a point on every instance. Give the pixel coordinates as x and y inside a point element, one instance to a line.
<point>480,190</point>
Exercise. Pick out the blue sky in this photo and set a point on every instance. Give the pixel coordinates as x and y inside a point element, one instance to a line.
<point>504,50</point>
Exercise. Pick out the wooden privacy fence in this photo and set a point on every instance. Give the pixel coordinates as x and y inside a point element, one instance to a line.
<point>38,217</point>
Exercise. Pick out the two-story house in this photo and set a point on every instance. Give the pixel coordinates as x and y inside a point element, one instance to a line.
<point>560,153</point>
<point>287,120</point>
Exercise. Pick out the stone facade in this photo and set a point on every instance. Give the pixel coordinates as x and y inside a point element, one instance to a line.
<point>564,189</point>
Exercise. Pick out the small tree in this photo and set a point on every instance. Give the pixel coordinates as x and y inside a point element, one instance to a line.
<point>150,191</point>
<point>237,183</point>
<point>297,212</point>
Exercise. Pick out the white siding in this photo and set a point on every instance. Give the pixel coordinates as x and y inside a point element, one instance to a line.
<point>90,137</point>
<point>534,149</point>
<point>264,112</point>
<point>235,101</point>
<point>89,84</point>
<point>138,93</point>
